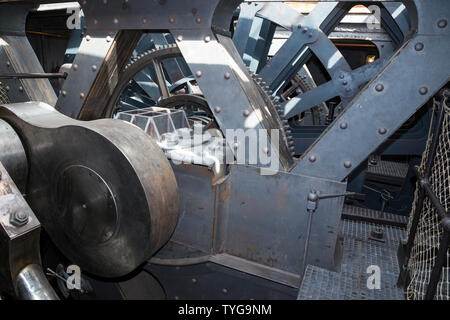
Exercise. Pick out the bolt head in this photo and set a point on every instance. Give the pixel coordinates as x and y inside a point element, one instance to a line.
<point>419,46</point>
<point>382,130</point>
<point>423,90</point>
<point>217,109</point>
<point>379,87</point>
<point>19,218</point>
<point>312,158</point>
<point>347,164</point>
<point>227,75</point>
<point>246,113</point>
<point>343,125</point>
<point>442,23</point>
<point>266,150</point>
<point>312,196</point>
<point>199,74</point>
<point>207,39</point>
<point>180,38</point>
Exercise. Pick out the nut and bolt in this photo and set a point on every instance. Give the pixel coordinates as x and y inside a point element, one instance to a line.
<point>19,218</point>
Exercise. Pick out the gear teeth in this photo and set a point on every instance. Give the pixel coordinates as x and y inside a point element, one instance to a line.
<point>288,139</point>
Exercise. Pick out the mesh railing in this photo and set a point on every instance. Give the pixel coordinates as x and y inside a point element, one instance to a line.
<point>426,233</point>
<point>3,94</point>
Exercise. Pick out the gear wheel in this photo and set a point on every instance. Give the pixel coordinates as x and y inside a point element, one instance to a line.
<point>272,117</point>
<point>276,114</point>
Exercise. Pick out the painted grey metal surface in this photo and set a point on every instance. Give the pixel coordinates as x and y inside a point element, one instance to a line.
<point>84,70</point>
<point>17,56</point>
<point>381,102</point>
<point>229,223</point>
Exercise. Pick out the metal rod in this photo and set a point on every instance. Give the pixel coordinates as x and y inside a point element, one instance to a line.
<point>425,184</point>
<point>31,284</point>
<point>33,75</point>
<point>437,268</point>
<point>421,196</point>
<point>308,236</point>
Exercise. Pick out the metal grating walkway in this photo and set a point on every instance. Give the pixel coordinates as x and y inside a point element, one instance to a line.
<point>359,253</point>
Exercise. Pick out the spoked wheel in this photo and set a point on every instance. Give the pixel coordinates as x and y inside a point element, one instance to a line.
<point>147,81</point>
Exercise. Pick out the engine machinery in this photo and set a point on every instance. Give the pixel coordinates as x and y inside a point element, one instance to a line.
<point>224,149</point>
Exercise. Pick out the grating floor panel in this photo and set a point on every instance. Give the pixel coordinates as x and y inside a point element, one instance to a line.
<point>359,253</point>
<point>389,169</point>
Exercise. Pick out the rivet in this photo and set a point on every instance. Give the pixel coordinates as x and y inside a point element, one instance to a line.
<point>419,46</point>
<point>82,95</point>
<point>310,35</point>
<point>95,21</point>
<point>7,88</point>
<point>116,20</point>
<point>224,290</point>
<point>227,75</point>
<point>88,38</point>
<point>312,158</point>
<point>345,82</point>
<point>299,26</point>
<point>94,68</point>
<point>236,145</point>
<point>8,64</point>
<point>423,90</point>
<point>379,87</point>
<point>217,109</point>
<point>341,76</point>
<point>75,67</point>
<point>348,89</point>
<point>382,130</point>
<point>108,39</point>
<point>64,93</point>
<point>343,125</point>
<point>207,39</point>
<point>305,30</point>
<point>194,280</point>
<point>144,20</point>
<point>246,113</point>
<point>199,74</point>
<point>171,19</point>
<point>347,164</point>
<point>180,38</point>
<point>198,20</point>
<point>442,23</point>
<point>266,150</point>
<point>20,88</point>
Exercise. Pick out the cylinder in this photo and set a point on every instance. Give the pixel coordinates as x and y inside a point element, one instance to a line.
<point>32,284</point>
